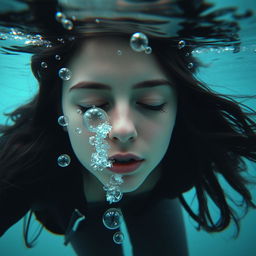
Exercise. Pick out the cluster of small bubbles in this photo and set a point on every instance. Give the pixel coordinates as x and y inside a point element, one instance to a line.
<point>112,218</point>
<point>3,36</point>
<point>119,52</point>
<point>63,160</point>
<point>63,121</point>
<point>66,23</point>
<point>92,140</point>
<point>113,190</point>
<point>116,179</point>
<point>181,44</point>
<point>118,237</point>
<point>224,49</point>
<point>190,65</point>
<point>61,40</point>
<point>139,42</point>
<point>44,64</point>
<point>148,50</point>
<point>96,120</point>
<point>57,57</point>
<point>65,74</point>
<point>78,130</point>
<point>27,39</point>
<point>113,194</point>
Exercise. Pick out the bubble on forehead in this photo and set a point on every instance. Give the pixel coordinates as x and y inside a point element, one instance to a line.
<point>139,42</point>
<point>93,118</point>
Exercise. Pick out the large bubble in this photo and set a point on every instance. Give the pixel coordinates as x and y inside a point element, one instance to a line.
<point>139,42</point>
<point>94,118</point>
<point>112,218</point>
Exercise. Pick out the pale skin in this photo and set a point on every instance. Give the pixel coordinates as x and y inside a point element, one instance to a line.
<point>135,128</point>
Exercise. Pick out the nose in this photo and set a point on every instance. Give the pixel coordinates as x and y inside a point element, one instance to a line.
<point>123,126</point>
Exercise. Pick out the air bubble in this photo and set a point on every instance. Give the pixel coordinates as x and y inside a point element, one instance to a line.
<point>118,237</point>
<point>78,130</point>
<point>44,64</point>
<point>61,40</point>
<point>181,44</point>
<point>139,42</point>
<point>190,65</point>
<point>59,16</point>
<point>114,193</point>
<point>65,74</point>
<point>79,111</point>
<point>94,118</point>
<point>112,218</point>
<point>67,24</point>
<point>148,50</point>
<point>119,52</point>
<point>63,160</point>
<point>71,38</point>
<point>92,140</point>
<point>57,57</point>
<point>116,179</point>
<point>63,121</point>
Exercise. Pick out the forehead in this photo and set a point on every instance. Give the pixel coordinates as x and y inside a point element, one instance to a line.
<point>110,55</point>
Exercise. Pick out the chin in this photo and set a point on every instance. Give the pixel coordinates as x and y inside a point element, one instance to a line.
<point>131,185</point>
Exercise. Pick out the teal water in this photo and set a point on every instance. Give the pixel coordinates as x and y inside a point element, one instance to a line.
<point>226,72</point>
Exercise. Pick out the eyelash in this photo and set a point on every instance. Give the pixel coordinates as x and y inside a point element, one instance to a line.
<point>147,107</point>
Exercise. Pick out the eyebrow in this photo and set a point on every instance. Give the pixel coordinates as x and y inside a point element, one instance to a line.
<point>101,86</point>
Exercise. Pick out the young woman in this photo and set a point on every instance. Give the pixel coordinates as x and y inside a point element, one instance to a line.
<point>182,134</point>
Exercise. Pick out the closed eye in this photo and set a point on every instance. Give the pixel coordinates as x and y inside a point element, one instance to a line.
<point>143,105</point>
<point>85,108</point>
<point>153,107</point>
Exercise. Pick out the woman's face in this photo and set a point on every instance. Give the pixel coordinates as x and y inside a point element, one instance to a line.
<point>137,96</point>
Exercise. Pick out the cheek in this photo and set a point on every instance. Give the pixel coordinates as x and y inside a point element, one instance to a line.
<point>79,138</point>
<point>159,130</point>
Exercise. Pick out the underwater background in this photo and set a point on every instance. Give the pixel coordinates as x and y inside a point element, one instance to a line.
<point>225,71</point>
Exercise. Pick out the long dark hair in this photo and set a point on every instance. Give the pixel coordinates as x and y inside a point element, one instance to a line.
<point>212,136</point>
<point>213,133</point>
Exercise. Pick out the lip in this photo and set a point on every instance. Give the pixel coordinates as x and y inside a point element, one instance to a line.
<point>125,167</point>
<point>125,157</point>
